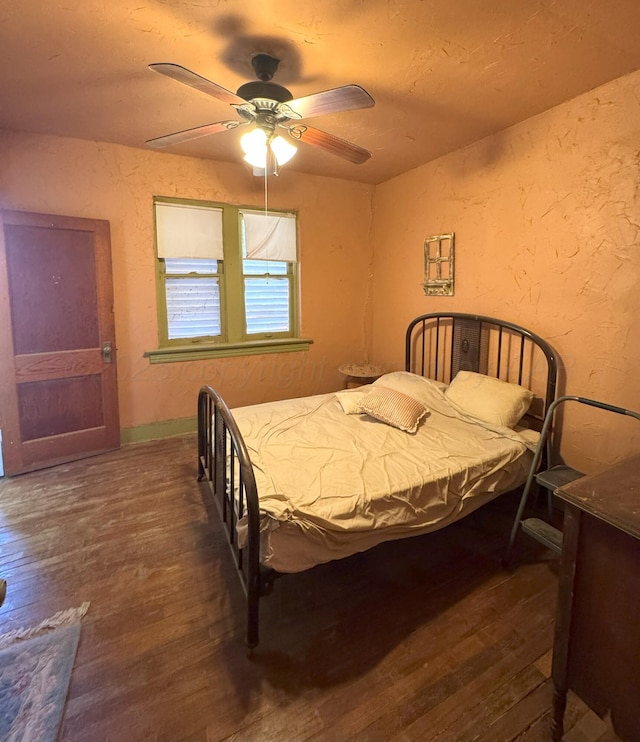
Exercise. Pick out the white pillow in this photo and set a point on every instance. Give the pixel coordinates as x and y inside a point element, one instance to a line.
<point>393,408</point>
<point>412,384</point>
<point>492,400</point>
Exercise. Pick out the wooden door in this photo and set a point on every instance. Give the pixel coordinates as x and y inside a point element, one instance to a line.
<point>58,386</point>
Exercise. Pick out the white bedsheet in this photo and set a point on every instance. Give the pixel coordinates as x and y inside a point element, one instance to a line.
<point>332,484</point>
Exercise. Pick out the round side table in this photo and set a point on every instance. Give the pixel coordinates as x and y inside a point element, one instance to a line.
<point>357,374</point>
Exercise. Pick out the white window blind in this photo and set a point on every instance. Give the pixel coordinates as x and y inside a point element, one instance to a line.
<point>269,236</point>
<point>192,293</point>
<point>266,305</point>
<point>187,231</point>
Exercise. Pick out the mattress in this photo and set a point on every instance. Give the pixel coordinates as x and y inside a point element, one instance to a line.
<point>332,484</point>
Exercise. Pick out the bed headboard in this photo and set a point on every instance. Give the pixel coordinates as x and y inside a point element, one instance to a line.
<point>440,344</point>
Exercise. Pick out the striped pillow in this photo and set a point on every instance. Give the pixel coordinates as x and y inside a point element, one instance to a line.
<point>394,408</point>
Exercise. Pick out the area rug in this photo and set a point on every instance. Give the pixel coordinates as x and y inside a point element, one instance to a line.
<point>35,670</point>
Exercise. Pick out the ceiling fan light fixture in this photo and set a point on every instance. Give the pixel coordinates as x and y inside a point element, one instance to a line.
<point>282,149</point>
<point>254,145</point>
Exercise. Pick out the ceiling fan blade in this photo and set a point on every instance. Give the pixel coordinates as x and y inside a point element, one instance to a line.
<point>345,98</point>
<point>183,75</point>
<point>329,143</point>
<point>199,131</point>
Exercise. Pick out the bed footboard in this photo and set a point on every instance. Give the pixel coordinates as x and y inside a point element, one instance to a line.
<point>224,464</point>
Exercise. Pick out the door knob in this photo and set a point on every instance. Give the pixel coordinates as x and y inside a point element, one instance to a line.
<point>106,352</point>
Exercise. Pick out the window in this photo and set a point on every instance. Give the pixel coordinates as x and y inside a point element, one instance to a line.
<point>227,280</point>
<point>269,254</point>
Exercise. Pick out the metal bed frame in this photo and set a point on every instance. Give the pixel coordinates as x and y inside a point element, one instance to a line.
<point>437,345</point>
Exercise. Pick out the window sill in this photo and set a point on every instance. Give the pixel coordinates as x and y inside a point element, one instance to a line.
<point>179,353</point>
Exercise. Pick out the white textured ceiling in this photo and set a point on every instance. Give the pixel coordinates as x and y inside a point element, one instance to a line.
<point>443,73</point>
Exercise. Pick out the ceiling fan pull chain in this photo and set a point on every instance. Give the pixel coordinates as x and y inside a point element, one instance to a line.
<point>266,203</point>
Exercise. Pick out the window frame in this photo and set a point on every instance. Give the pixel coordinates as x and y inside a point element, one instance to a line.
<point>234,339</point>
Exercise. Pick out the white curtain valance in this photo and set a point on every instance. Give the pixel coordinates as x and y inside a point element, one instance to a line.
<point>270,236</point>
<point>186,231</point>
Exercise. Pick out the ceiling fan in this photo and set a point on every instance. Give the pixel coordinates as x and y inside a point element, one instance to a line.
<point>269,108</point>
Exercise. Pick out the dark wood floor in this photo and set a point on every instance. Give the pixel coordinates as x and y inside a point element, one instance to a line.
<point>423,639</point>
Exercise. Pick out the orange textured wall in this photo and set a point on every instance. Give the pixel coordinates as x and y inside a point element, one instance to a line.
<point>104,181</point>
<point>547,221</point>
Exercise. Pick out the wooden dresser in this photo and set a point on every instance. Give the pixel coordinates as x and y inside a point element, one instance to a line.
<point>596,649</point>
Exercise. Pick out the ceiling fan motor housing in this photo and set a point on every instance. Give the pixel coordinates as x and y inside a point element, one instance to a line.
<point>269,90</point>
<point>265,67</point>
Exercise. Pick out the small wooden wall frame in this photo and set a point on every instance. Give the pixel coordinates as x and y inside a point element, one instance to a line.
<point>439,265</point>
